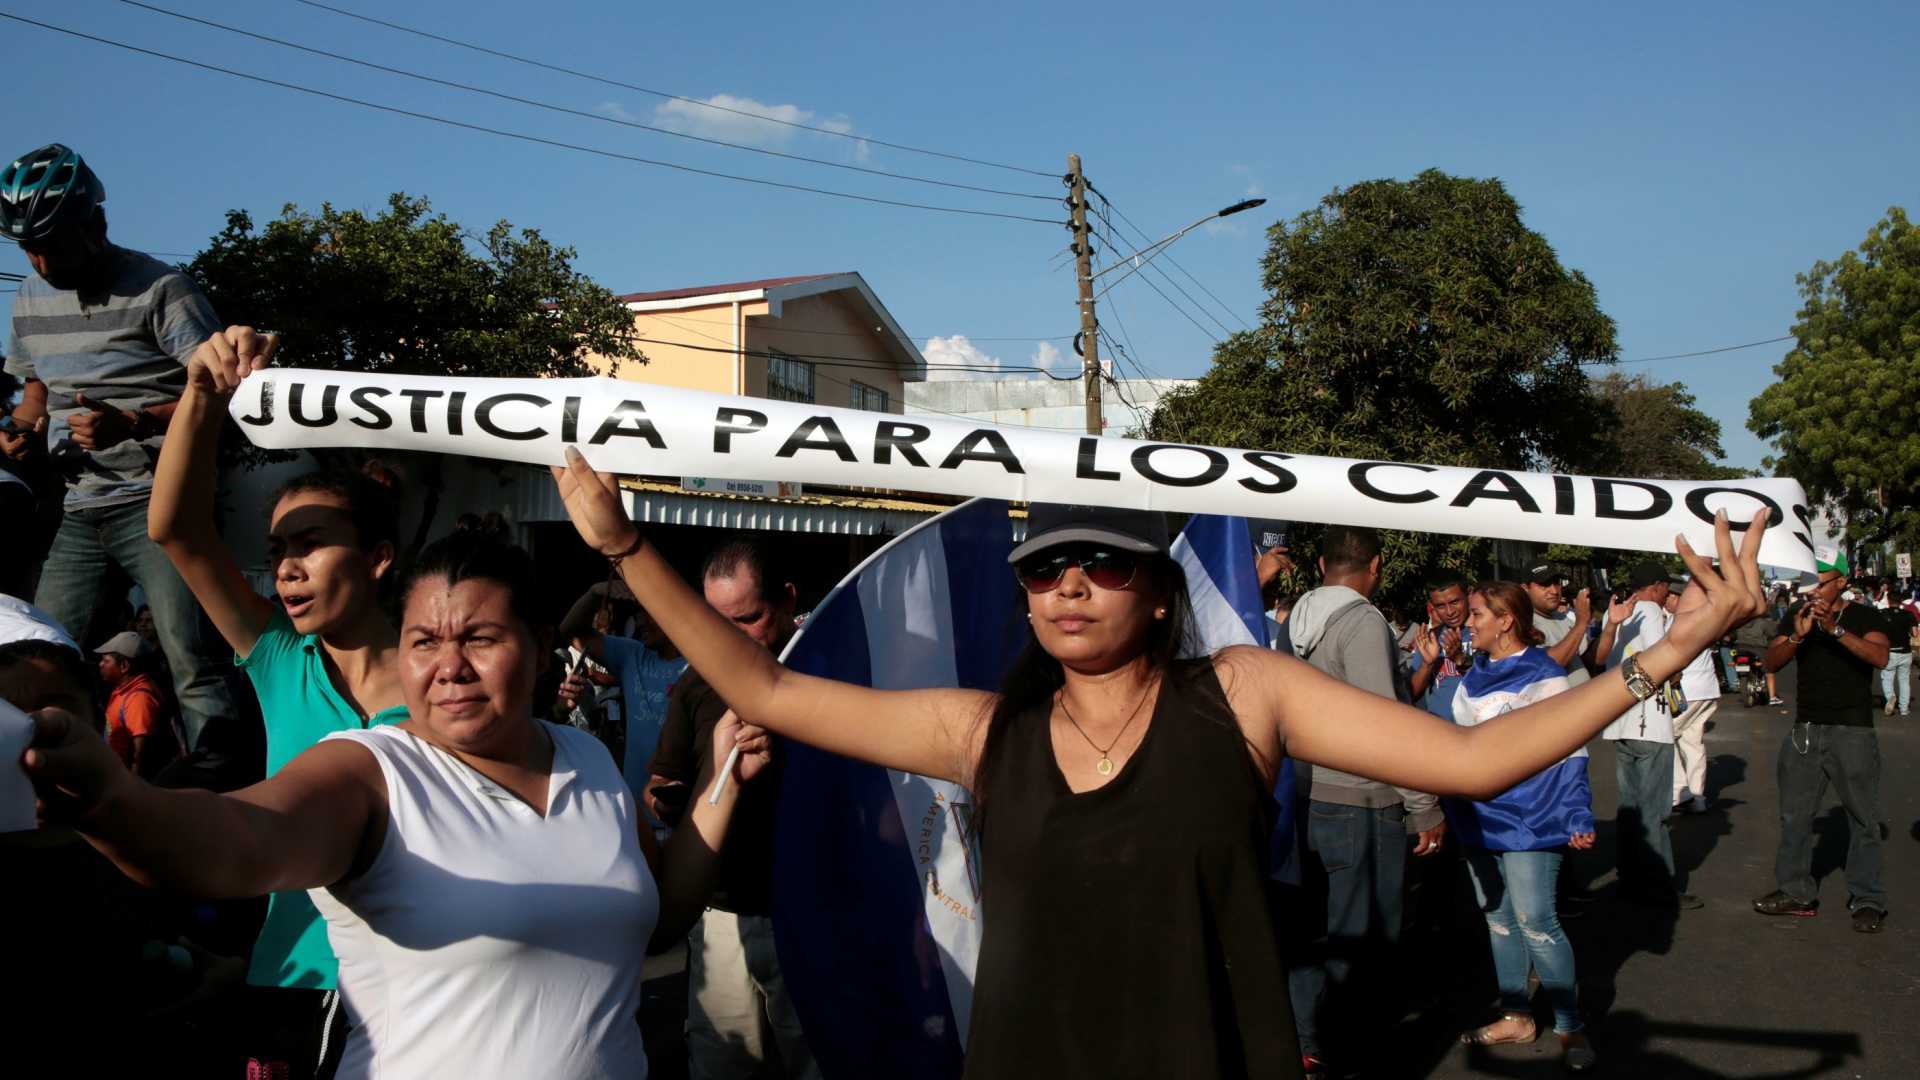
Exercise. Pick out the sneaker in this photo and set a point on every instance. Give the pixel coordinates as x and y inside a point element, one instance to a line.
<point>1697,805</point>
<point>1776,701</point>
<point>1868,919</point>
<point>1686,901</point>
<point>1313,1068</point>
<point>1778,902</point>
<point>1576,1052</point>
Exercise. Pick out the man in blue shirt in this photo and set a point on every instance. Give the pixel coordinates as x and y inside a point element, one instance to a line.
<point>646,664</point>
<point>1443,649</point>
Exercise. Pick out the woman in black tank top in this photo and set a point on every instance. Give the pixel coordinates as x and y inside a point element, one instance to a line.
<point>1121,794</point>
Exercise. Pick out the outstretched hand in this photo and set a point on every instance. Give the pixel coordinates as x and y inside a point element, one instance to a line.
<point>593,503</point>
<point>221,361</point>
<point>71,768</point>
<point>1719,599</point>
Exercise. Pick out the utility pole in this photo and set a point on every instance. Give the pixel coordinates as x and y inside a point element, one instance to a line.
<point>1083,263</point>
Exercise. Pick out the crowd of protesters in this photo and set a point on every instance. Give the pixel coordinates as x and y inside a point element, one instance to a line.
<point>469,827</point>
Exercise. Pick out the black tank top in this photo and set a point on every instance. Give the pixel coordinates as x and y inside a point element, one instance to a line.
<point>1128,930</point>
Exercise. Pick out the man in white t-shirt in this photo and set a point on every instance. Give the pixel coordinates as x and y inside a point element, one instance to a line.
<point>1699,699</point>
<point>1563,628</point>
<point>1643,748</point>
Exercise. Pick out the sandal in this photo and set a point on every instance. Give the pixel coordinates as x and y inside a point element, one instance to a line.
<point>1510,1028</point>
<point>1576,1052</point>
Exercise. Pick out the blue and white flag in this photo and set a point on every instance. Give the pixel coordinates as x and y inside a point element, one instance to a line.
<point>1218,555</point>
<point>876,899</point>
<point>1544,810</point>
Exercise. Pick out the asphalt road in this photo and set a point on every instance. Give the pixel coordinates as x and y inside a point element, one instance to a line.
<point>1721,992</point>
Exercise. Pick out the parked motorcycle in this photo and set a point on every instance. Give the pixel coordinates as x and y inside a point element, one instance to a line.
<point>1750,677</point>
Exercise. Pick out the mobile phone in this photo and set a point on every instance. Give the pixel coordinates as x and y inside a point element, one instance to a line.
<point>1598,582</point>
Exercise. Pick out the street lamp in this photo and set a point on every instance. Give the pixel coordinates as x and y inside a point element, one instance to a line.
<point>1146,254</point>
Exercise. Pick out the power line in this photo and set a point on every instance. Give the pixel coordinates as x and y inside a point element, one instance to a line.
<point>862,333</point>
<point>670,96</point>
<point>1702,352</point>
<point>521,136</point>
<point>1149,264</point>
<point>585,114</point>
<point>1170,301</point>
<point>1176,263</point>
<point>144,251</point>
<point>840,361</point>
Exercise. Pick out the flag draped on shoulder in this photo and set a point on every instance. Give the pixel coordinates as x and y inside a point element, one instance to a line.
<point>1545,809</point>
<point>1218,556</point>
<point>876,899</point>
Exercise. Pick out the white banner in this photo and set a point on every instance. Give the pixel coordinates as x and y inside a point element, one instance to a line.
<point>637,428</point>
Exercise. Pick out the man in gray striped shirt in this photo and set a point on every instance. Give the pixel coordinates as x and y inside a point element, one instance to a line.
<point>100,339</point>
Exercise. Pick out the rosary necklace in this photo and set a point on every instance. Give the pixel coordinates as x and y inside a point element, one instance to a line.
<point>1105,765</point>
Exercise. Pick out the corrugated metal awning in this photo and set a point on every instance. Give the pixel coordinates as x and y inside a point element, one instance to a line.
<point>535,500</point>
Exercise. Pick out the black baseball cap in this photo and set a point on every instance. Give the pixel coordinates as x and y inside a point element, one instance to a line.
<point>1648,572</point>
<point>1544,575</point>
<point>1050,525</point>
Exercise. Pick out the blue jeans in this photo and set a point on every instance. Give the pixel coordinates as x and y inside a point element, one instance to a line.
<point>1896,680</point>
<point>92,539</point>
<point>1516,891</point>
<point>1811,757</point>
<point>1359,858</point>
<point>1644,771</point>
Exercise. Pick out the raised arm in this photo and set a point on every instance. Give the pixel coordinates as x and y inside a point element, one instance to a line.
<point>577,627</point>
<point>302,829</point>
<point>930,732</point>
<point>1568,647</point>
<point>181,517</point>
<point>1329,723</point>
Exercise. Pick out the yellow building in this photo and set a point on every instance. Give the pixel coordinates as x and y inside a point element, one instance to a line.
<point>823,338</point>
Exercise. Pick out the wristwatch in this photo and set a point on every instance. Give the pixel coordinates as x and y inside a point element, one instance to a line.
<point>1638,684</point>
<point>1839,631</point>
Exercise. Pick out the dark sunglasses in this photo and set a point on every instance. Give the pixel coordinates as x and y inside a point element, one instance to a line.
<point>1110,570</point>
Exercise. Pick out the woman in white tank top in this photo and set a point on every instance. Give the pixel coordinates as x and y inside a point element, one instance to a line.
<point>487,883</point>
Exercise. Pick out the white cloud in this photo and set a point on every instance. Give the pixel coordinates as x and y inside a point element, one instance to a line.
<point>1047,355</point>
<point>958,350</point>
<point>615,110</point>
<point>739,119</point>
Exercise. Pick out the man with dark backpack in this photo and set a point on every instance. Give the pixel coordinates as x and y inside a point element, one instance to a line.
<point>1358,829</point>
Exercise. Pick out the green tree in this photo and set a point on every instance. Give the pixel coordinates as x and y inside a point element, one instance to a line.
<point>408,291</point>
<point>1844,416</point>
<point>1415,320</point>
<point>1653,430</point>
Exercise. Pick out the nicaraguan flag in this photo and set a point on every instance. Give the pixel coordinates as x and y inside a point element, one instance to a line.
<point>1544,810</point>
<point>876,903</point>
<point>1218,555</point>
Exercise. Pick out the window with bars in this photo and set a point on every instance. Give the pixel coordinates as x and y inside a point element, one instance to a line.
<point>789,379</point>
<point>872,398</point>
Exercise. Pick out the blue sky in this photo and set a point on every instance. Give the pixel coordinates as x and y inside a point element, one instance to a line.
<point>1691,159</point>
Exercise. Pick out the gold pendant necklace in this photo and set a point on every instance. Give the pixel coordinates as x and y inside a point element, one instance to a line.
<point>1105,765</point>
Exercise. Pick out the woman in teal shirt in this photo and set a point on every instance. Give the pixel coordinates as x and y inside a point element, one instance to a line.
<point>322,659</point>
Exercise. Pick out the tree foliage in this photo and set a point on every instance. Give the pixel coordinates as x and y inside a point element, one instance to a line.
<point>1653,430</point>
<point>1415,320</point>
<point>408,291</point>
<point>1844,416</point>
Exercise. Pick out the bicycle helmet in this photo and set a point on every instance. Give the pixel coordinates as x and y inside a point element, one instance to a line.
<point>46,189</point>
